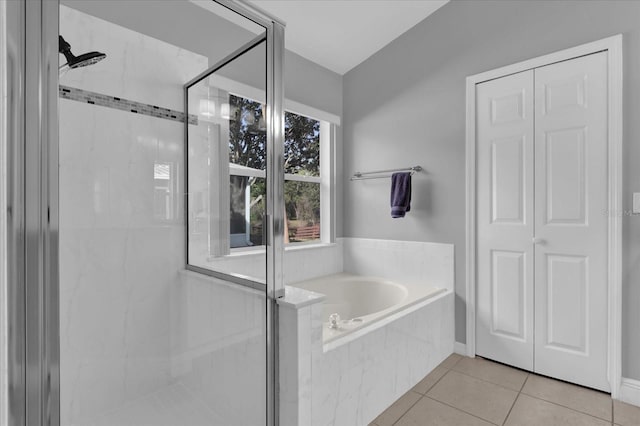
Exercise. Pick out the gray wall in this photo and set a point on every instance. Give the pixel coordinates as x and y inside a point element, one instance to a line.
<point>406,105</point>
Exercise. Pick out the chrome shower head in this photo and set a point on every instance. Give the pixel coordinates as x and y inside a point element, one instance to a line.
<point>78,61</point>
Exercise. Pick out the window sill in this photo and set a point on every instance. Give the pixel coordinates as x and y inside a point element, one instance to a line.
<point>305,246</point>
<point>260,251</point>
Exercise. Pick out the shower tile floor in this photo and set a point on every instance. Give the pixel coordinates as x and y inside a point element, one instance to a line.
<point>477,392</point>
<point>173,405</point>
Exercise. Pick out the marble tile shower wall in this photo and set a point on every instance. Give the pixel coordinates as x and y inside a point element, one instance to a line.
<point>121,226</point>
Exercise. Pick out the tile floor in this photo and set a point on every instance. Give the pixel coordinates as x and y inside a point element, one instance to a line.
<point>473,391</point>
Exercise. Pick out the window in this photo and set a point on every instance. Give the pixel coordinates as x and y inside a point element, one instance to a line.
<point>247,164</point>
<point>302,178</point>
<point>226,174</point>
<point>247,156</point>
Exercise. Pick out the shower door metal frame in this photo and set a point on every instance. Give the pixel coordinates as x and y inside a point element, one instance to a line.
<point>13,138</point>
<point>274,38</point>
<point>32,213</point>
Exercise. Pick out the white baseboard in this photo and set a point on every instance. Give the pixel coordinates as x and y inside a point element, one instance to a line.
<point>460,348</point>
<point>630,391</point>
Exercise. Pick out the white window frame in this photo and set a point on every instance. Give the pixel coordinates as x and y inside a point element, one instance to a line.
<point>326,180</point>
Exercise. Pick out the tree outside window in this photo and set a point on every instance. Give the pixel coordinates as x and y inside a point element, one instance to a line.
<point>247,150</point>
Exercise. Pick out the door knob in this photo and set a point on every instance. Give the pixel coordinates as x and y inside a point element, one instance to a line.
<point>535,240</point>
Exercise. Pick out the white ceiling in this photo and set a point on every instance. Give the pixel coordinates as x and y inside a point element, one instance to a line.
<point>340,34</point>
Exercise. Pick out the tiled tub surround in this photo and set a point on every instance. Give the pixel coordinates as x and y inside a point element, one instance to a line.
<point>119,255</point>
<point>401,261</point>
<point>406,262</point>
<point>351,380</point>
<point>352,383</point>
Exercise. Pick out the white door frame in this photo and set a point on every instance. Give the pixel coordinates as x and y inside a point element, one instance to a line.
<point>613,45</point>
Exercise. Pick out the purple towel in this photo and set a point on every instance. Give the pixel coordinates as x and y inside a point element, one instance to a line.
<point>400,194</point>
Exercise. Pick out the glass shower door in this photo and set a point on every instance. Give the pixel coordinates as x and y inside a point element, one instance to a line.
<point>169,245</point>
<point>224,334</point>
<point>227,168</point>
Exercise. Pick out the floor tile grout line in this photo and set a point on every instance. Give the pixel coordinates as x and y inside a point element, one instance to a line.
<point>493,361</point>
<point>436,382</point>
<point>514,403</point>
<point>456,363</point>
<point>564,406</point>
<point>497,363</point>
<point>451,406</point>
<point>577,385</point>
<point>526,379</point>
<point>473,377</point>
<point>529,374</point>
<point>486,381</point>
<point>519,393</point>
<point>407,410</point>
<point>517,396</point>
<point>516,400</point>
<point>423,395</point>
<point>461,410</point>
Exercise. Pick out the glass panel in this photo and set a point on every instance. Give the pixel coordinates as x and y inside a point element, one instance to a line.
<point>302,201</point>
<point>227,168</point>
<point>301,145</point>
<point>143,340</point>
<point>302,158</point>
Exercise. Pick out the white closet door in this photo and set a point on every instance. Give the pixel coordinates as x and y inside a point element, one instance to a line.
<point>504,128</point>
<point>571,221</point>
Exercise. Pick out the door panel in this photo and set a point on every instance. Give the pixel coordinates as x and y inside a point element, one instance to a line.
<point>507,294</point>
<point>566,190</point>
<point>507,180</point>
<point>505,226</point>
<point>567,286</point>
<point>570,197</point>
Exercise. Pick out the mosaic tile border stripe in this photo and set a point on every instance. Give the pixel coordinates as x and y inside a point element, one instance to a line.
<point>94,98</point>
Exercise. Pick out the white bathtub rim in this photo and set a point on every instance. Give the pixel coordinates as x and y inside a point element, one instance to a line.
<point>345,278</point>
<point>385,319</point>
<point>426,293</point>
<point>297,298</point>
<point>415,293</point>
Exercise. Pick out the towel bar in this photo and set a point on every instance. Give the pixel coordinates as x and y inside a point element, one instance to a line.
<point>362,175</point>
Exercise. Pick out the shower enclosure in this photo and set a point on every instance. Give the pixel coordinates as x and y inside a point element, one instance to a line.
<point>129,301</point>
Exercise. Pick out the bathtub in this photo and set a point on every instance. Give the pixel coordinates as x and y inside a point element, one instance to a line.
<point>394,330</point>
<point>362,301</point>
